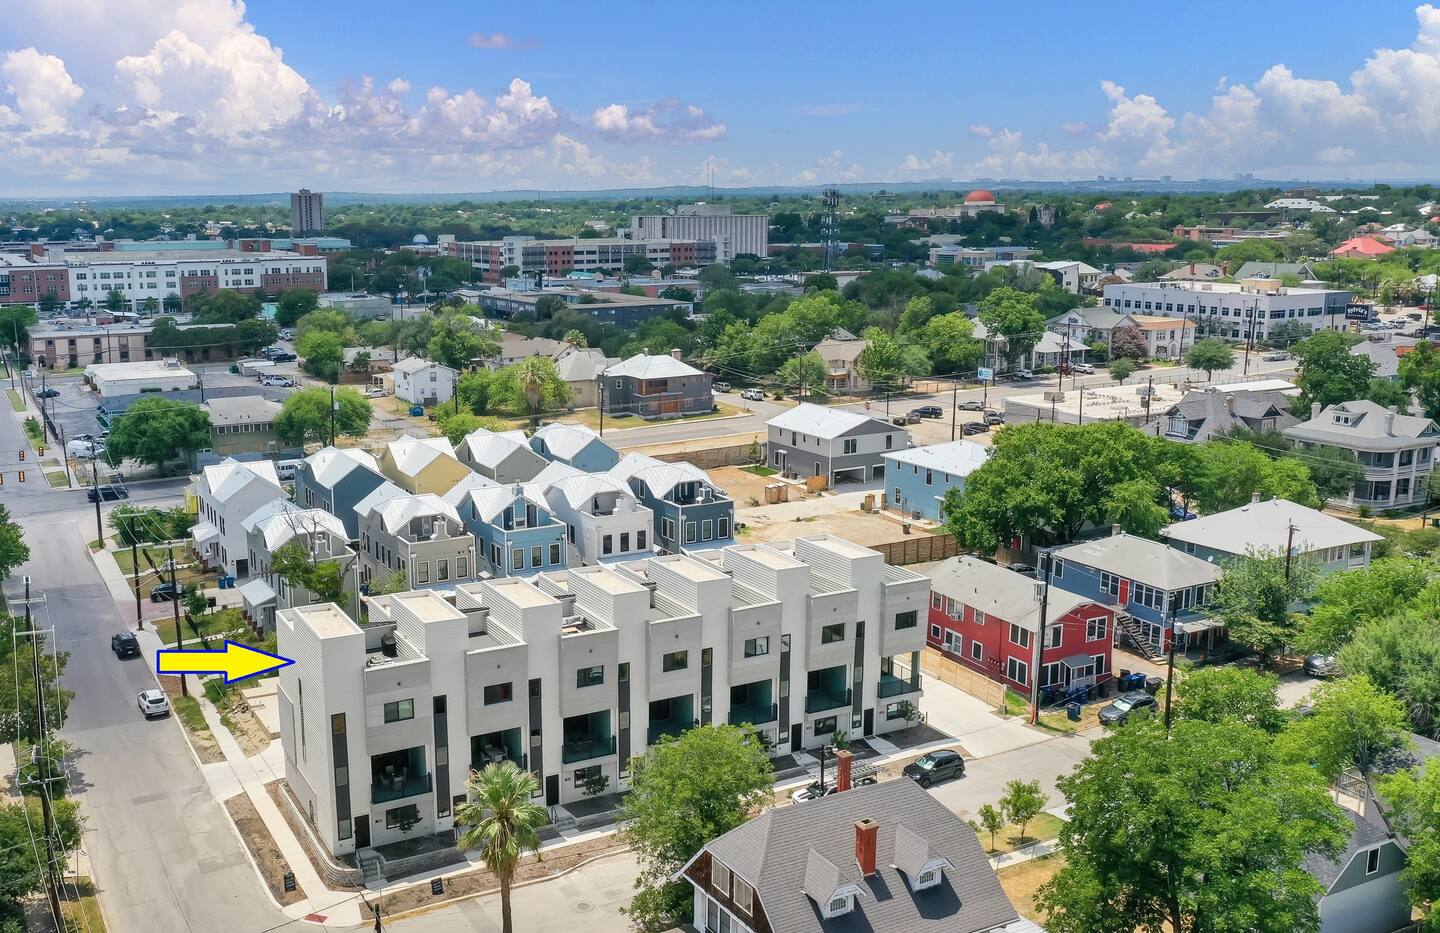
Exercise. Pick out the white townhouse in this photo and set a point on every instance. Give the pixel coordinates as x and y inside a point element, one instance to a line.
<point>226,494</point>
<point>570,673</point>
<point>606,521</point>
<point>421,382</point>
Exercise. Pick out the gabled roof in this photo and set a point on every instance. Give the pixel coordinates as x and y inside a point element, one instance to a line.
<point>279,529</point>
<point>1001,593</point>
<point>396,513</point>
<point>1274,270</point>
<point>489,503</point>
<point>847,351</point>
<point>553,472</point>
<point>413,454</point>
<point>1262,527</point>
<point>660,477</point>
<point>819,421</point>
<point>1362,246</point>
<point>1366,832</point>
<point>645,366</point>
<point>583,365</point>
<point>1150,562</point>
<point>332,464</point>
<point>414,364</point>
<point>566,440</point>
<point>490,449</point>
<point>1363,424</point>
<point>958,458</point>
<point>1212,412</point>
<point>228,477</point>
<point>457,493</point>
<point>266,512</point>
<point>379,495</point>
<point>579,490</point>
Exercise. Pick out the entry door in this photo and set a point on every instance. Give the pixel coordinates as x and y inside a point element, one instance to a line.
<point>870,721</point>
<point>797,736</point>
<point>552,790</point>
<point>362,831</point>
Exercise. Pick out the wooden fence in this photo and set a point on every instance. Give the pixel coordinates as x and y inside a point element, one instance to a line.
<point>948,670</point>
<point>708,458</point>
<point>918,548</point>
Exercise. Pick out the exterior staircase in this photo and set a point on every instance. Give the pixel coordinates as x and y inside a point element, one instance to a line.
<point>373,865</point>
<point>1131,634</point>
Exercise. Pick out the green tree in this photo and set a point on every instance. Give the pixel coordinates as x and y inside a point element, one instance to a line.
<point>458,340</point>
<point>992,820</point>
<point>803,373</point>
<point>224,307</point>
<point>456,426</point>
<point>534,386</point>
<point>1414,813</point>
<point>1420,373</point>
<point>1334,470</point>
<point>821,281</point>
<point>19,716</point>
<point>1012,316</point>
<point>13,549</point>
<point>1200,829</point>
<point>298,566</point>
<point>1210,354</point>
<point>547,306</point>
<point>141,525</point>
<point>50,302</point>
<point>918,312</point>
<point>503,821</point>
<point>683,794</point>
<point>576,338</point>
<point>1388,393</point>
<point>480,390</point>
<point>1228,474</point>
<point>306,416</point>
<point>158,430</point>
<point>22,861</point>
<point>1400,654</point>
<point>716,276</point>
<point>1023,801</point>
<point>327,320</point>
<point>1254,599</point>
<point>1352,723</point>
<point>295,304</point>
<point>321,353</point>
<point>1346,601</point>
<point>1230,694</point>
<point>637,264</point>
<point>1136,505</point>
<point>1237,254</point>
<point>173,303</point>
<point>115,300</point>
<point>150,305</point>
<point>1328,373</point>
<point>890,361</point>
<point>949,341</point>
<point>15,324</point>
<point>1122,368</point>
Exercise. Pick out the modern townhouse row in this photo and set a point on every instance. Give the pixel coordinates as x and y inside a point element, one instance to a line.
<point>570,673</point>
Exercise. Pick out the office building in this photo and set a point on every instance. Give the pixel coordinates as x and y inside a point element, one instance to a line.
<point>530,256</point>
<point>732,234</point>
<point>307,211</point>
<point>1227,309</point>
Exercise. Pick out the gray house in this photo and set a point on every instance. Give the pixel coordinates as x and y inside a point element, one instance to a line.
<point>655,387</point>
<point>420,536</point>
<point>689,510</point>
<point>335,480</point>
<point>505,457</point>
<point>845,446</point>
<point>1203,414</point>
<point>1363,891</point>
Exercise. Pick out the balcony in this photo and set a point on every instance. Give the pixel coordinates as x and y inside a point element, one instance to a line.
<point>673,717</point>
<point>818,701</point>
<point>398,787</point>
<point>754,715</point>
<point>398,774</point>
<point>892,686</point>
<point>585,748</point>
<point>495,747</point>
<point>753,703</point>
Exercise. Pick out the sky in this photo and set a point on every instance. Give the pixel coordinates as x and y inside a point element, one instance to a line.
<point>99,97</point>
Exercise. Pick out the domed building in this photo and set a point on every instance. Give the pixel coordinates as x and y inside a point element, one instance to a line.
<point>978,202</point>
<point>975,203</point>
<point>980,196</point>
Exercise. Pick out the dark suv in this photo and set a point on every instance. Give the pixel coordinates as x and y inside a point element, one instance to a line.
<point>1126,705</point>
<point>939,765</point>
<point>930,411</point>
<point>163,592</point>
<point>125,645</point>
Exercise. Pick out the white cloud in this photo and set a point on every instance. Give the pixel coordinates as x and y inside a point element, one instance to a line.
<point>937,162</point>
<point>830,168</point>
<point>398,86</point>
<point>42,88</point>
<point>499,41</point>
<point>669,120</point>
<point>1074,127</point>
<point>980,130</point>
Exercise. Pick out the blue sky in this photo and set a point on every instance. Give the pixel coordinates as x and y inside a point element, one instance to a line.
<point>185,96</point>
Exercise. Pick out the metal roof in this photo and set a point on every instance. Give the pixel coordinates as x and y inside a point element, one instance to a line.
<point>819,421</point>
<point>645,366</point>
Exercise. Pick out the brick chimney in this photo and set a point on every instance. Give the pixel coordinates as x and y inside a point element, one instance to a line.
<point>675,353</point>
<point>1314,410</point>
<point>842,770</point>
<point>867,834</point>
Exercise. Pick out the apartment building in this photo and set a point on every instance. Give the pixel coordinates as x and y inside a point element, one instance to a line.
<point>1396,452</point>
<point>531,256</point>
<point>606,521</point>
<point>62,345</point>
<point>421,536</point>
<point>732,234</point>
<point>689,510</point>
<point>1232,309</point>
<point>25,279</point>
<point>571,673</point>
<point>307,211</point>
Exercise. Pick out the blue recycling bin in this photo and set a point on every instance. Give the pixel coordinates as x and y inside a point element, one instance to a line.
<point>1072,712</point>
<point>417,411</point>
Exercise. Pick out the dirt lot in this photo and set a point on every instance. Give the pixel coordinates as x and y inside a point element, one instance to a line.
<point>262,846</point>
<point>742,486</point>
<point>834,515</point>
<point>480,881</point>
<point>1021,881</point>
<point>287,810</point>
<point>247,729</point>
<point>676,447</point>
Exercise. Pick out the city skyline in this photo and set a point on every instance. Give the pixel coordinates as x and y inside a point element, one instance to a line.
<point>204,96</point>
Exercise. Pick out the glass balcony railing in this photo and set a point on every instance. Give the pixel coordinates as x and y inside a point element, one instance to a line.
<point>817,701</point>
<point>671,727</point>
<point>386,789</point>
<point>584,749</point>
<point>754,713</point>
<point>891,686</point>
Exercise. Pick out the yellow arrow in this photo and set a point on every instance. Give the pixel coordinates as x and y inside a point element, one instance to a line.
<point>235,661</point>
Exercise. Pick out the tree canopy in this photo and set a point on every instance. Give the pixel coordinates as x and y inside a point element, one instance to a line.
<point>1012,315</point>
<point>305,416</point>
<point>1210,354</point>
<point>13,549</point>
<point>158,430</point>
<point>1327,372</point>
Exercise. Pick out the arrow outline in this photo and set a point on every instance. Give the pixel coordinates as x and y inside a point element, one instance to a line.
<point>221,652</point>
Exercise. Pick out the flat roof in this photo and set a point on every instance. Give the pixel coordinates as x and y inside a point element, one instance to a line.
<point>770,557</point>
<point>841,546</point>
<point>327,621</point>
<point>140,369</point>
<point>686,567</point>
<point>428,606</point>
<point>522,592</point>
<point>607,580</point>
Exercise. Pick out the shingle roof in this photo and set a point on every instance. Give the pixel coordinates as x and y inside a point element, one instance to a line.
<point>1150,562</point>
<point>332,464</point>
<point>1210,410</point>
<point>397,512</point>
<point>1001,593</point>
<point>643,366</point>
<point>1382,354</point>
<point>414,364</point>
<point>844,350</point>
<point>958,458</point>
<point>1370,427</point>
<point>791,854</point>
<point>819,421</point>
<point>1262,527</point>
<point>583,365</point>
<point>1365,831</point>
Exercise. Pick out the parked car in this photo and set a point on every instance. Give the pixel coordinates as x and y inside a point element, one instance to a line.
<point>973,427</point>
<point>48,393</point>
<point>1086,368</point>
<point>1027,569</point>
<point>813,790</point>
<point>972,405</point>
<point>1023,374</point>
<point>720,386</point>
<point>280,382</point>
<point>287,334</point>
<point>269,352</point>
<point>1181,514</point>
<point>1415,315</point>
<point>1320,665</point>
<point>284,358</point>
<point>754,395</point>
<point>1274,356</point>
<point>85,450</point>
<point>907,418</point>
<point>125,645</point>
<point>1125,705</point>
<point>162,592</point>
<point>930,411</point>
<point>938,765</point>
<point>106,493</point>
<point>993,417</point>
<point>152,703</point>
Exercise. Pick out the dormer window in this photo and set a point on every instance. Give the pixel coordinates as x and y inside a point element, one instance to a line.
<point>839,905</point>
<point>926,879</point>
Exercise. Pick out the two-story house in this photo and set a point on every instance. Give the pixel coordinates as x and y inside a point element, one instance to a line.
<point>419,536</point>
<point>841,354</point>
<point>226,494</point>
<point>919,477</point>
<point>655,387</point>
<point>504,457</point>
<point>422,382</point>
<point>422,464</point>
<point>605,520</point>
<point>1154,589</point>
<point>1270,527</point>
<point>1396,452</point>
<point>319,534</point>
<point>1206,414</point>
<point>574,445</point>
<point>844,446</point>
<point>335,479</point>
<point>988,618</point>
<point>515,532</point>
<point>689,510</point>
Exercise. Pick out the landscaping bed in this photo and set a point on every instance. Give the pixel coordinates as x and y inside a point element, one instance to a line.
<point>16,402</point>
<point>263,848</point>
<point>1008,839</point>
<point>235,714</point>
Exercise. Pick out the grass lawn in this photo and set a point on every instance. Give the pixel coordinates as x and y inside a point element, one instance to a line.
<point>591,418</point>
<point>157,554</point>
<point>58,479</point>
<point>188,709</point>
<point>760,470</point>
<point>1057,721</point>
<point>1020,882</point>
<point>1044,826</point>
<point>1015,704</point>
<point>16,402</point>
<point>35,432</point>
<point>216,623</point>
<point>80,906</point>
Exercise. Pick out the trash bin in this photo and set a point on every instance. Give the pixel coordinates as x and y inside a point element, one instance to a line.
<point>1107,687</point>
<point>1152,685</point>
<point>1072,712</point>
<point>417,411</point>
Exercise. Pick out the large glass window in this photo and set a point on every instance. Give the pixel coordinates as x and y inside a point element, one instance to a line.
<point>399,710</point>
<point>590,676</point>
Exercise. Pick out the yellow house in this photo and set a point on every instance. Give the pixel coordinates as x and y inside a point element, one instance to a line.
<point>422,465</point>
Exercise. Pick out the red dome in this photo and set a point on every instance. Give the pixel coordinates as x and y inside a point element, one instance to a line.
<point>980,197</point>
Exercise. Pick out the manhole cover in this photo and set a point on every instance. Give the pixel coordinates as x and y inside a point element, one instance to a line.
<point>584,907</point>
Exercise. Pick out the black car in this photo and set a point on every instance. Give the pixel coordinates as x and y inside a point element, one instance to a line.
<point>1126,704</point>
<point>902,420</point>
<point>125,645</point>
<point>107,493</point>
<point>993,417</point>
<point>1320,665</point>
<point>1027,569</point>
<point>974,427</point>
<point>938,765</point>
<point>48,393</point>
<point>283,358</point>
<point>163,592</point>
<point>972,406</point>
<point>930,411</point>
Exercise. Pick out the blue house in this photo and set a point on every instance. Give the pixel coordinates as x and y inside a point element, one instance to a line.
<point>690,511</point>
<point>919,478</point>
<point>1151,585</point>
<point>574,445</point>
<point>515,532</point>
<point>334,480</point>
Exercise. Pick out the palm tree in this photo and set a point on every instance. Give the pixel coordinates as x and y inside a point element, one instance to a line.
<point>504,821</point>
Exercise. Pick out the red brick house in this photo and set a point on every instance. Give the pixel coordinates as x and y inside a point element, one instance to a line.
<point>988,618</point>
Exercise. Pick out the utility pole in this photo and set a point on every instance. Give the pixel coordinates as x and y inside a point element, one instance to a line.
<point>1040,642</point>
<point>954,407</point>
<point>1170,659</point>
<point>1289,550</point>
<point>1250,336</point>
<point>135,564</point>
<point>95,491</point>
<point>600,398</point>
<point>332,416</point>
<point>175,602</point>
<point>43,750</point>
